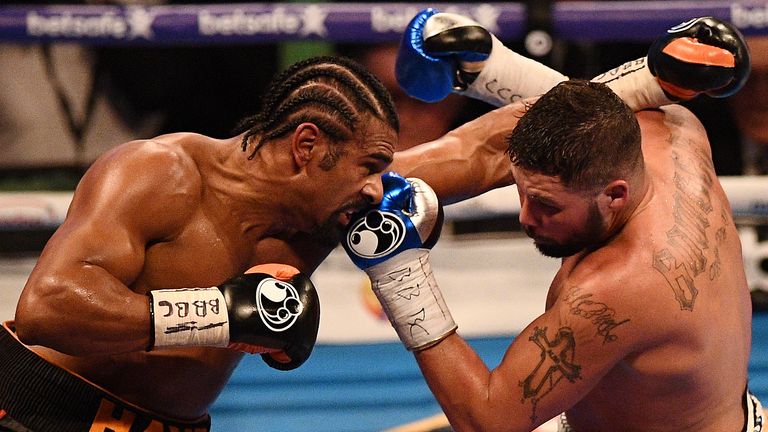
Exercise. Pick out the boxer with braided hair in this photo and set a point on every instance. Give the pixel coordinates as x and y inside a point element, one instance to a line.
<point>343,96</point>
<point>182,252</point>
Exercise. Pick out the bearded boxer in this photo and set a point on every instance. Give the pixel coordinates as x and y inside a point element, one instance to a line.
<point>647,323</point>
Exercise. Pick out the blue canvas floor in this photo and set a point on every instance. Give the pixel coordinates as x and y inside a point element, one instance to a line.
<point>368,387</point>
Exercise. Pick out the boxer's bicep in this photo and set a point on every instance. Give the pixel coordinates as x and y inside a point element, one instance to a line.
<point>551,365</point>
<point>77,299</point>
<point>134,196</point>
<point>560,357</point>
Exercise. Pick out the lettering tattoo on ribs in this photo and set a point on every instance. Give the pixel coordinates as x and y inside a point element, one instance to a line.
<point>685,258</point>
<point>599,314</point>
<point>556,363</point>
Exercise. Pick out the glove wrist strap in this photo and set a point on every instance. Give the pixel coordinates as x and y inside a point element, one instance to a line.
<point>635,85</point>
<point>189,317</point>
<point>408,292</point>
<point>508,77</point>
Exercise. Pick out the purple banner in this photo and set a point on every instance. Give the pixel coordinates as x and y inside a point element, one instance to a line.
<point>357,22</point>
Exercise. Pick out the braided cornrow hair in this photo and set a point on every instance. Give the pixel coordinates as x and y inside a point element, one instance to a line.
<point>334,93</point>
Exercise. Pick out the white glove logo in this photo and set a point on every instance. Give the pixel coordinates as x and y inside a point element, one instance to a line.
<point>375,235</point>
<point>278,303</point>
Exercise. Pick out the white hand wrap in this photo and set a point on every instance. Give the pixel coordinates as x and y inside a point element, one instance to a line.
<point>408,292</point>
<point>189,317</point>
<point>508,77</point>
<point>635,85</point>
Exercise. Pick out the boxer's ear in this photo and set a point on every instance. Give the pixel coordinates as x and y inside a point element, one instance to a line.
<point>614,196</point>
<point>303,143</point>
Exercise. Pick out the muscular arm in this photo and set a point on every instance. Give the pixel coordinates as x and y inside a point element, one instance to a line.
<point>77,299</point>
<point>467,161</point>
<point>550,366</point>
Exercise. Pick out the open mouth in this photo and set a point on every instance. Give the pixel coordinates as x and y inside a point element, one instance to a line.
<point>346,217</point>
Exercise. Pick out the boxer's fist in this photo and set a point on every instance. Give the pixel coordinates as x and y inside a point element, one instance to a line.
<point>408,217</point>
<point>391,243</point>
<point>703,55</point>
<point>272,309</point>
<point>434,52</point>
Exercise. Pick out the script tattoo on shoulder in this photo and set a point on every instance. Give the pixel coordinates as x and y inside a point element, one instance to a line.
<point>685,256</point>
<point>556,363</point>
<point>598,313</point>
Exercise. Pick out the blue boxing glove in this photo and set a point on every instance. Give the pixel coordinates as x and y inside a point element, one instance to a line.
<point>391,243</point>
<point>445,52</point>
<point>434,45</point>
<point>408,217</point>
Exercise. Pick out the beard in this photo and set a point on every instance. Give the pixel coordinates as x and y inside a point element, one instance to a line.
<point>592,234</point>
<point>329,232</point>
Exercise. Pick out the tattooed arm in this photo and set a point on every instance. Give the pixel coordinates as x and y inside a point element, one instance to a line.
<point>548,368</point>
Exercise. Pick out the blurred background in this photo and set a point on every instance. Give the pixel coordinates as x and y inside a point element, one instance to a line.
<point>68,94</point>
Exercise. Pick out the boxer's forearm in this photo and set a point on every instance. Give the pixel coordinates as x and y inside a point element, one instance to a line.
<point>466,162</point>
<point>90,314</point>
<point>462,393</point>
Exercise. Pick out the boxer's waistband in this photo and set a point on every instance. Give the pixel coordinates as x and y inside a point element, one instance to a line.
<point>753,411</point>
<point>46,398</point>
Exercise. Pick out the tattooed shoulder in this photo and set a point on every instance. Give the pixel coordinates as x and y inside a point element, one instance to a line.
<point>603,317</point>
<point>689,250</point>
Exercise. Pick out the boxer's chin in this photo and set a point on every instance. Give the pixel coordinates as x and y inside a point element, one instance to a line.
<point>553,250</point>
<point>330,232</point>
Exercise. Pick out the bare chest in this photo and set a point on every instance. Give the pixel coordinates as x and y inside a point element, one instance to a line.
<point>207,251</point>
<point>212,248</point>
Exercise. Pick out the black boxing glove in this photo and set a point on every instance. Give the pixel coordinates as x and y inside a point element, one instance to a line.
<point>703,55</point>
<point>272,309</point>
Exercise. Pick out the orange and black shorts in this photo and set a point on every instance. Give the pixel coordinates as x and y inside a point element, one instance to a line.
<point>37,396</point>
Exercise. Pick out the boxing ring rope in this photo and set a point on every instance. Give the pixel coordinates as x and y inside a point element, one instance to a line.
<point>352,22</point>
<point>40,210</point>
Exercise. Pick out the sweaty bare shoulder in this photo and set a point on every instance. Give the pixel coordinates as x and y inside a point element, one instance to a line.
<point>675,126</point>
<point>597,290</point>
<point>153,183</point>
